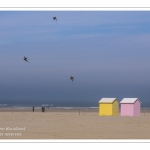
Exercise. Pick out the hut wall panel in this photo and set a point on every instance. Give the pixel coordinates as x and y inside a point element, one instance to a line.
<point>137,108</point>
<point>127,109</point>
<point>115,108</point>
<point>105,109</point>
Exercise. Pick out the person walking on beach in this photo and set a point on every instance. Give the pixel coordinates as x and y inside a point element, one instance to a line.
<point>33,108</point>
<point>43,109</point>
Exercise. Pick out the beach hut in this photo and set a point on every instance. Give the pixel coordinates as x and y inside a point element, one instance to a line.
<point>108,107</point>
<point>130,107</point>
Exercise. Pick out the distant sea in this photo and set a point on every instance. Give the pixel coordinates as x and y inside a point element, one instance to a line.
<point>39,106</point>
<point>22,106</point>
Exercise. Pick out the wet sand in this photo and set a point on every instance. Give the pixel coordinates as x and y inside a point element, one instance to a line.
<point>71,124</point>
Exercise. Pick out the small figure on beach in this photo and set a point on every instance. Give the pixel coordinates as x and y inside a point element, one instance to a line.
<point>72,78</point>
<point>25,59</point>
<point>43,109</point>
<point>54,18</point>
<point>33,108</point>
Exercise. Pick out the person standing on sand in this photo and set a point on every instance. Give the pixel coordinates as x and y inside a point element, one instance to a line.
<point>33,108</point>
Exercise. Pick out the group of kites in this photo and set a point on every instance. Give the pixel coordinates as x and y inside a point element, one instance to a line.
<point>25,58</point>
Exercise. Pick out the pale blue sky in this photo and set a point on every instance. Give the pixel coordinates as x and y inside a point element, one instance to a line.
<point>108,53</point>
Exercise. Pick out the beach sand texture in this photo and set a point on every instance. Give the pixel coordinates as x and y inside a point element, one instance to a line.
<point>72,125</point>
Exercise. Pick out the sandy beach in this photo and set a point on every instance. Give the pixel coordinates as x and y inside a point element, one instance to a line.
<point>71,124</point>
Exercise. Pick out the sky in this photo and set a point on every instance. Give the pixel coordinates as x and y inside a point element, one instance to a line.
<point>107,52</point>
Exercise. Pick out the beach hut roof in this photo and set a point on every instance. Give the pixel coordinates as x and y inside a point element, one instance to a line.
<point>107,100</point>
<point>129,100</point>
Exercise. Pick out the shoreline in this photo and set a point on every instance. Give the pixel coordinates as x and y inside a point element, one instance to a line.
<point>52,109</point>
<point>59,109</point>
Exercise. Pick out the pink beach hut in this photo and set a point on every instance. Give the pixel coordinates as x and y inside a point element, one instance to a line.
<point>130,107</point>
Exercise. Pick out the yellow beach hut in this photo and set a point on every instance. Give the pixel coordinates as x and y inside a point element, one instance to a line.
<point>108,107</point>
